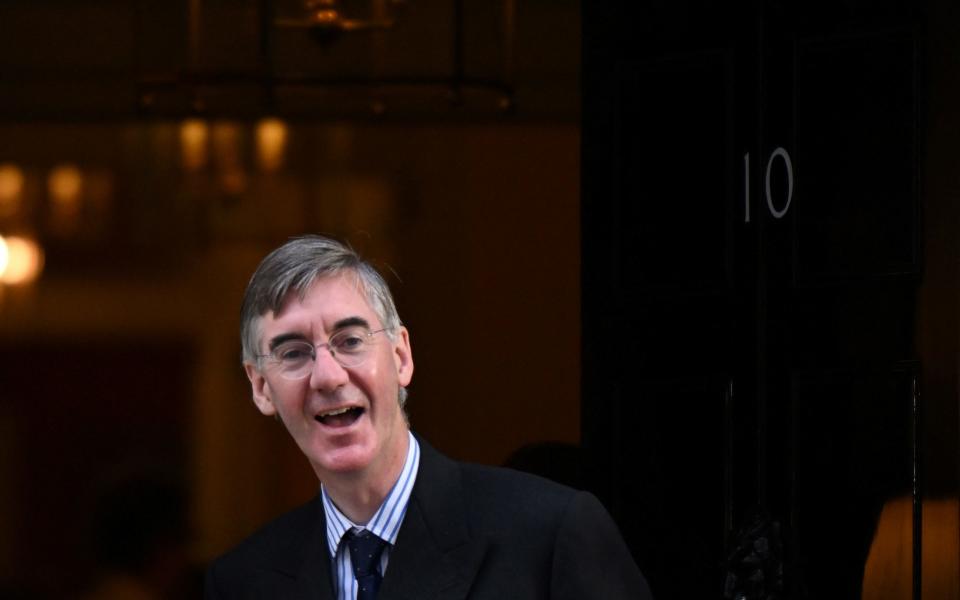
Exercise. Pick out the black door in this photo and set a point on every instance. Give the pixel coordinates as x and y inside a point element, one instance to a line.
<point>751,244</point>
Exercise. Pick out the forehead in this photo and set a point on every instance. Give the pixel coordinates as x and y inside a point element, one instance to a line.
<point>326,300</point>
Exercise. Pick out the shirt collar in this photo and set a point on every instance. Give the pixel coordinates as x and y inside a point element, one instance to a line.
<point>385,523</point>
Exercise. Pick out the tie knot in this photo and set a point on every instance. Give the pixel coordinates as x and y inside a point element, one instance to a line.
<point>365,550</point>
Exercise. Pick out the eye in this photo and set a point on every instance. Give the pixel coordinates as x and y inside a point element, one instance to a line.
<point>293,352</point>
<point>349,341</point>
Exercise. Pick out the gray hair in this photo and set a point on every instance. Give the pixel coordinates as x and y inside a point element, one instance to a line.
<point>293,267</point>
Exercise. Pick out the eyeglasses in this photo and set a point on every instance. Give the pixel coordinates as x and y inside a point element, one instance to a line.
<point>295,358</point>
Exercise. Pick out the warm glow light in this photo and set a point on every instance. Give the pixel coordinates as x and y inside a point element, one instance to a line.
<point>193,144</point>
<point>4,255</point>
<point>271,144</point>
<point>11,187</point>
<point>24,261</point>
<point>888,572</point>
<point>64,184</point>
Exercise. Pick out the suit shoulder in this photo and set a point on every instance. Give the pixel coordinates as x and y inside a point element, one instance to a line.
<point>502,491</point>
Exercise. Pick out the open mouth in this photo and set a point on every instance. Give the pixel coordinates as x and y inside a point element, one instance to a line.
<point>340,417</point>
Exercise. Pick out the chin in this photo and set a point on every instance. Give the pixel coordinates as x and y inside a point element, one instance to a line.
<point>349,459</point>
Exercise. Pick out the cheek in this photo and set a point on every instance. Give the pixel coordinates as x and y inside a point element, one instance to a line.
<point>286,395</point>
<point>374,371</point>
<point>377,381</point>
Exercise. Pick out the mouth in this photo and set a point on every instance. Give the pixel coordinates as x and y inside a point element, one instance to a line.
<point>340,417</point>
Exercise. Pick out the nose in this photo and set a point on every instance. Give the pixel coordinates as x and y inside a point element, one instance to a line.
<point>327,374</point>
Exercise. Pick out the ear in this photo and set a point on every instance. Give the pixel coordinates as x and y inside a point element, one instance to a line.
<point>261,389</point>
<point>403,357</point>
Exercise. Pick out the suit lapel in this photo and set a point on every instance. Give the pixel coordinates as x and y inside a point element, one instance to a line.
<point>434,555</point>
<point>300,570</point>
<point>314,581</point>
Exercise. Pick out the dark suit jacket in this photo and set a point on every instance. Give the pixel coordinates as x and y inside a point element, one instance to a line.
<point>470,532</point>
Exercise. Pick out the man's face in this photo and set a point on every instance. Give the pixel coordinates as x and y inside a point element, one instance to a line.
<point>370,437</point>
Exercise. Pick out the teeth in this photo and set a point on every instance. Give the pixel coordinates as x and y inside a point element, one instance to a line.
<point>334,413</point>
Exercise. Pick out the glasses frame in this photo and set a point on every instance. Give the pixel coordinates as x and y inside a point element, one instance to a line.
<point>367,335</point>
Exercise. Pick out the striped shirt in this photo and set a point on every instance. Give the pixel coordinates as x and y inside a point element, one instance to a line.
<point>385,524</point>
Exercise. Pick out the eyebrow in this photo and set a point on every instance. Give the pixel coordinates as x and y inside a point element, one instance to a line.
<point>341,324</point>
<point>285,337</point>
<point>351,322</point>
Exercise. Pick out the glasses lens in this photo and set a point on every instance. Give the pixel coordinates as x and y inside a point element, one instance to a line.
<point>294,358</point>
<point>350,346</point>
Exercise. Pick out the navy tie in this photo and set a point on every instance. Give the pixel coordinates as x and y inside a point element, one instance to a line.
<point>365,550</point>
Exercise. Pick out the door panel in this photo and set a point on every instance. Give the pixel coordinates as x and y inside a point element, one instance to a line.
<point>679,449</point>
<point>751,234</point>
<point>856,163</point>
<point>675,124</point>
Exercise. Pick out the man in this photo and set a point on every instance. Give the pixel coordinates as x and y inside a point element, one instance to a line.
<point>326,354</point>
